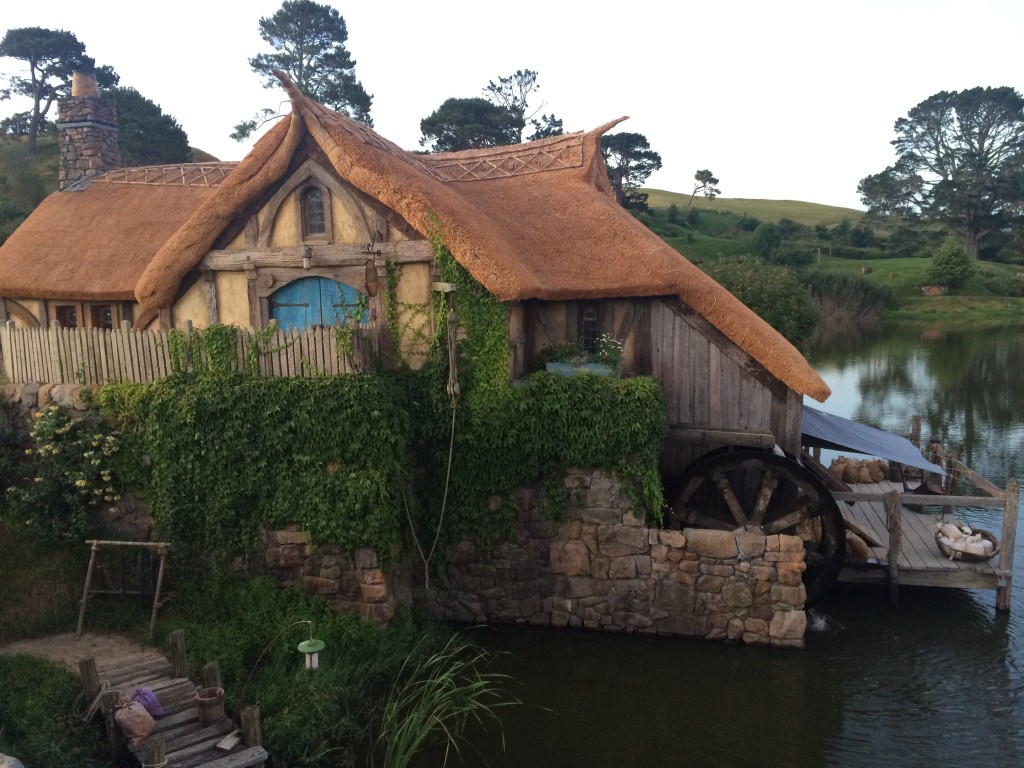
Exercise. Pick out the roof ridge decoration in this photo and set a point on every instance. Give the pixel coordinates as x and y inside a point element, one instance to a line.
<point>180,174</point>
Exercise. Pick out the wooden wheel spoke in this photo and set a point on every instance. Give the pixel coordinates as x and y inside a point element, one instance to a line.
<point>801,513</point>
<point>695,519</point>
<point>724,486</point>
<point>769,482</point>
<point>691,487</point>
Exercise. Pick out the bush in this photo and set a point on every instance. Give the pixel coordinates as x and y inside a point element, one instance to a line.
<point>766,239</point>
<point>951,266</point>
<point>774,293</point>
<point>792,256</point>
<point>71,473</point>
<point>747,223</point>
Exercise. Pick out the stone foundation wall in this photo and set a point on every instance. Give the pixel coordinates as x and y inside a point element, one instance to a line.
<point>604,569</point>
<point>349,582</point>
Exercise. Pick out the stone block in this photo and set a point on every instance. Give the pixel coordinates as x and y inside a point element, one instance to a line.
<point>373,576</point>
<point>790,578</point>
<point>366,557</point>
<point>736,593</point>
<point>763,573</point>
<point>285,557</point>
<point>285,537</point>
<point>615,540</point>
<point>710,584</point>
<point>63,395</point>
<point>601,516</point>
<point>659,553</point>
<point>789,595</point>
<point>28,396</point>
<point>756,626</point>
<point>678,599</point>
<point>788,625</point>
<point>571,558</point>
<point>714,569</point>
<point>374,593</point>
<point>319,586</point>
<point>750,544</point>
<point>708,543</point>
<point>599,567</point>
<point>734,629</point>
<point>622,568</point>
<point>672,539</point>
<point>791,543</point>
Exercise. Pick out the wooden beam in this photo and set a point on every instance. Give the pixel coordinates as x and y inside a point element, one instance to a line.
<point>689,433</point>
<point>918,500</point>
<point>333,255</point>
<point>179,661</point>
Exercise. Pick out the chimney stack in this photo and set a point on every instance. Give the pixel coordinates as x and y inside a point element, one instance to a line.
<point>88,132</point>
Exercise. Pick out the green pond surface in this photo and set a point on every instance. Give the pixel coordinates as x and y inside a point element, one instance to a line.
<point>934,681</point>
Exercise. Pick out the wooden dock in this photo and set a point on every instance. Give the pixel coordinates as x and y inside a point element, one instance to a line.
<point>902,539</point>
<point>180,739</point>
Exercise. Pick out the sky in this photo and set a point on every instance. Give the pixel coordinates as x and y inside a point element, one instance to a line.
<point>785,100</point>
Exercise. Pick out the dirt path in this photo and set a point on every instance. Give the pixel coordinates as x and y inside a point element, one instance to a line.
<point>67,649</point>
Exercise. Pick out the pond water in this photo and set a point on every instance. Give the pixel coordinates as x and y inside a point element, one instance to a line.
<point>936,680</point>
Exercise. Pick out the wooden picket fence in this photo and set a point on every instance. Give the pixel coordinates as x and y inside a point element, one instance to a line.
<point>102,356</point>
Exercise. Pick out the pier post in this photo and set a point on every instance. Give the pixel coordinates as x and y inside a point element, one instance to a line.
<point>893,521</point>
<point>179,661</point>
<point>1009,537</point>
<point>252,733</point>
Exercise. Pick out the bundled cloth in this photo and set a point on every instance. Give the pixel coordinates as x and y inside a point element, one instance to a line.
<point>148,699</point>
<point>134,721</point>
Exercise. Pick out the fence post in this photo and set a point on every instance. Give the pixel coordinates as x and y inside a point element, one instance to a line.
<point>179,662</point>
<point>252,734</point>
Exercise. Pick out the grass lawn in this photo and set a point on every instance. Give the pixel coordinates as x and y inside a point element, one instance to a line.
<point>765,210</point>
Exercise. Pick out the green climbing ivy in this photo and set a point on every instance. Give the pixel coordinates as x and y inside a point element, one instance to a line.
<point>352,459</point>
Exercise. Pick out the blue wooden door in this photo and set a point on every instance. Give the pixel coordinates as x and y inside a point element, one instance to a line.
<point>313,301</point>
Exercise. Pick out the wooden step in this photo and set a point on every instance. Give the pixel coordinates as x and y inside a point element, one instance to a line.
<point>244,759</point>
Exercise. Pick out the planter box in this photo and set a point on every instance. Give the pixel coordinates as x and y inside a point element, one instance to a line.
<point>568,369</point>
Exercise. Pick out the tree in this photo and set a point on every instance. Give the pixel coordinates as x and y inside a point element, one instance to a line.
<point>951,265</point>
<point>513,92</point>
<point>468,124</point>
<point>52,56</point>
<point>309,43</point>
<point>500,118</point>
<point>706,183</point>
<point>960,157</point>
<point>630,162</point>
<point>146,136</point>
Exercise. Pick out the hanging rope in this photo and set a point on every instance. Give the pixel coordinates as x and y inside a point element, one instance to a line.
<point>453,390</point>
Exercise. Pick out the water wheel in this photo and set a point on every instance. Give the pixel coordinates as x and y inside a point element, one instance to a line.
<point>757,490</point>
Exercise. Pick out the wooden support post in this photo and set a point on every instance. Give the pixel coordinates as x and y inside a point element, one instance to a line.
<point>155,756</point>
<point>109,700</point>
<point>85,591</point>
<point>156,592</point>
<point>211,675</point>
<point>252,734</point>
<point>90,678</point>
<point>179,661</point>
<point>1009,538</point>
<point>915,429</point>
<point>894,523</point>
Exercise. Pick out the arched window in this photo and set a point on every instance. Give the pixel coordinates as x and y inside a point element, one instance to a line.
<point>314,220</point>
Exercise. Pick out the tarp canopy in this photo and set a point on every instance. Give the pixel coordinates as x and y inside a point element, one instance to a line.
<point>828,431</point>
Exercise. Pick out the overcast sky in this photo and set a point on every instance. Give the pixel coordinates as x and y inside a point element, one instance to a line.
<point>782,100</point>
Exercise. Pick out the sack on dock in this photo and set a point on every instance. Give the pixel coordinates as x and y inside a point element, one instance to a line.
<point>148,699</point>
<point>135,722</point>
<point>851,472</point>
<point>857,550</point>
<point>837,467</point>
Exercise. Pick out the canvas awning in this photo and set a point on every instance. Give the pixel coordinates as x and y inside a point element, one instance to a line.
<point>827,431</point>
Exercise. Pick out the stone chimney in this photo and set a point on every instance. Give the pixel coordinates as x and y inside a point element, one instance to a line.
<point>88,132</point>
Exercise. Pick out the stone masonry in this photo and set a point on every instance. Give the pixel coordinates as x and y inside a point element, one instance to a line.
<point>602,568</point>
<point>88,133</point>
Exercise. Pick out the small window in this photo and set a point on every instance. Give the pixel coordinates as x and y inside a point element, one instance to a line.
<point>314,222</point>
<point>590,327</point>
<point>101,316</point>
<point>66,315</point>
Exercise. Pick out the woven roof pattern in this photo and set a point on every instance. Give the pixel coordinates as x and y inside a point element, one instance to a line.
<point>559,153</point>
<point>183,175</point>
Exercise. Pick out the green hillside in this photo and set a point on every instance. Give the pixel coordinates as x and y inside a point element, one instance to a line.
<point>808,214</point>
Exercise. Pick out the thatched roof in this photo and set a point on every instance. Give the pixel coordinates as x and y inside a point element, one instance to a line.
<point>95,239</point>
<point>530,221</point>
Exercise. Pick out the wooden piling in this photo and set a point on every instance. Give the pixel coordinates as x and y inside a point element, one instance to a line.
<point>211,675</point>
<point>1009,537</point>
<point>252,734</point>
<point>90,678</point>
<point>894,523</point>
<point>155,756</point>
<point>179,661</point>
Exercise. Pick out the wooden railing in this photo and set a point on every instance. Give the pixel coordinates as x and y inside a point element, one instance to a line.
<point>101,356</point>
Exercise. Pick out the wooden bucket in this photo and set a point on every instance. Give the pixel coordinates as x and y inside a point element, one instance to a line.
<point>211,704</point>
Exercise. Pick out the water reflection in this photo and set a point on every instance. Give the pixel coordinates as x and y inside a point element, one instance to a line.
<point>934,681</point>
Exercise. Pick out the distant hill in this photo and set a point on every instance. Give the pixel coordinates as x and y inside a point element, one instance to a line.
<point>763,210</point>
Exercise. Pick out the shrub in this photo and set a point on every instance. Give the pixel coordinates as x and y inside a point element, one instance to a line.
<point>71,473</point>
<point>792,256</point>
<point>766,240</point>
<point>951,266</point>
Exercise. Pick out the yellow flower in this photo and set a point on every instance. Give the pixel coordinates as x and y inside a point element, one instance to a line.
<point>81,483</point>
